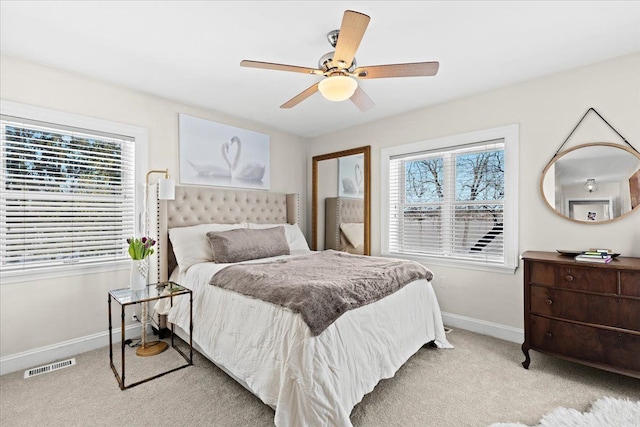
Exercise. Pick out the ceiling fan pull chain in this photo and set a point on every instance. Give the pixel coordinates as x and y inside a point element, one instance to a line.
<point>603,119</point>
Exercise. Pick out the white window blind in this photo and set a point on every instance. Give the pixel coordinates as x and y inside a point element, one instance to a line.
<point>67,195</point>
<point>449,203</point>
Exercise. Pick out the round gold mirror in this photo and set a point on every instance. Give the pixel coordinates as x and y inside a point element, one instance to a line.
<point>593,183</point>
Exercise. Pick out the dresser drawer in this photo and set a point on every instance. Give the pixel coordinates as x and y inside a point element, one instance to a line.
<point>630,283</point>
<point>587,343</point>
<point>603,310</point>
<point>581,278</point>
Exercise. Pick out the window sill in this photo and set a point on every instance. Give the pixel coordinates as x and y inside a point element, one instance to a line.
<point>47,273</point>
<point>454,263</point>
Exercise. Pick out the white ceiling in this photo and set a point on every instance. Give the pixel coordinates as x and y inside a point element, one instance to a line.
<point>190,51</point>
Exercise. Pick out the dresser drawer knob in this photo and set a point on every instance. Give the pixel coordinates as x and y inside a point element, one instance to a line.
<point>548,335</point>
<point>548,301</point>
<point>568,278</point>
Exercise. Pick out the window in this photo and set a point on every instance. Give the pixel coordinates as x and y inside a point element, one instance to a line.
<point>453,200</point>
<point>68,193</point>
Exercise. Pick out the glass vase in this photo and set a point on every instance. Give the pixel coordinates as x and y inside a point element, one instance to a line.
<point>138,276</point>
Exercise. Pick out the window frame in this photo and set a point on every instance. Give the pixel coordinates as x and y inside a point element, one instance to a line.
<point>510,134</point>
<point>54,117</point>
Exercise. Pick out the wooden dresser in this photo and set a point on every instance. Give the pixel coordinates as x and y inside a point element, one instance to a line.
<point>584,312</point>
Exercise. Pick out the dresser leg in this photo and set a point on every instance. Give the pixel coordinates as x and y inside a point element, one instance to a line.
<point>527,360</point>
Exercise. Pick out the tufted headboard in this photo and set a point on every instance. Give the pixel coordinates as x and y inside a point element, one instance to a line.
<point>340,210</point>
<point>205,205</point>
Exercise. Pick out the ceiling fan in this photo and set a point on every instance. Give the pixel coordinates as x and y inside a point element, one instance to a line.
<point>341,70</point>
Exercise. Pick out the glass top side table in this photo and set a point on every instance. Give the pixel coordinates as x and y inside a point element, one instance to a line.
<point>152,292</point>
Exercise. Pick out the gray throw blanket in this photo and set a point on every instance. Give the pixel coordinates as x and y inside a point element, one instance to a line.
<point>321,286</point>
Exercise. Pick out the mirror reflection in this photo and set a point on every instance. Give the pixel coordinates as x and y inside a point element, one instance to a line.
<point>593,182</point>
<point>340,206</point>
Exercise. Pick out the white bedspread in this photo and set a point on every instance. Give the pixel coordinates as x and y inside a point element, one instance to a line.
<point>310,381</point>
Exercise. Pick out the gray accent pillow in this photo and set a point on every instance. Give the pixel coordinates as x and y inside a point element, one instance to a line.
<point>244,244</point>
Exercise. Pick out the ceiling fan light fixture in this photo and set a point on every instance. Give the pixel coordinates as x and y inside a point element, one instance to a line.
<point>341,70</point>
<point>338,88</point>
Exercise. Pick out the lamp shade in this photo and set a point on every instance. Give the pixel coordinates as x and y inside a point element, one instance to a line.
<point>166,189</point>
<point>338,88</point>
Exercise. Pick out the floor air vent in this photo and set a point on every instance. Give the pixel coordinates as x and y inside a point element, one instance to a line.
<point>49,368</point>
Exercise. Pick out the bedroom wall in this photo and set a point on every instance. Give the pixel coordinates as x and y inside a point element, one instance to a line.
<point>36,317</point>
<point>546,109</point>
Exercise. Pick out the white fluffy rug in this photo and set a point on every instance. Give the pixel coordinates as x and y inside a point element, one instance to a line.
<point>605,411</point>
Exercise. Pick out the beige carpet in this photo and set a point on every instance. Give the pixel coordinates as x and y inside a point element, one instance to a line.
<point>478,383</point>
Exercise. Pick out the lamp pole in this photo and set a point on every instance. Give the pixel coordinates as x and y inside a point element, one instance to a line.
<point>166,191</point>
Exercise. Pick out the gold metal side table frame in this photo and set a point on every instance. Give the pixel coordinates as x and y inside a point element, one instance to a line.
<point>152,292</point>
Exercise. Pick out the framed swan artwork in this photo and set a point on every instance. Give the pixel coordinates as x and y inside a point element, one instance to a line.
<point>221,155</point>
<point>350,176</point>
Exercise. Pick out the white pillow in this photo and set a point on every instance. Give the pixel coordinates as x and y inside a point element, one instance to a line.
<point>354,232</point>
<point>295,238</point>
<point>191,245</point>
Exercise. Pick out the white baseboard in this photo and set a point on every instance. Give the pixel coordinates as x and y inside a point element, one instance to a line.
<point>48,354</point>
<point>503,332</point>
<point>51,353</point>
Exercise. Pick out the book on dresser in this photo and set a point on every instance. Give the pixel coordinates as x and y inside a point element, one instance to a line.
<point>587,257</point>
<point>585,312</point>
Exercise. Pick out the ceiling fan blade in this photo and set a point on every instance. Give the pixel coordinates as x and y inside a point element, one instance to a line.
<point>397,70</point>
<point>301,96</point>
<point>279,67</point>
<point>362,100</point>
<point>352,29</point>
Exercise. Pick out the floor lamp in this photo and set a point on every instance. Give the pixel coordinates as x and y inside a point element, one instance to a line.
<point>166,191</point>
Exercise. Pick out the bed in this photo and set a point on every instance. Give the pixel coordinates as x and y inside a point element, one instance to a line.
<point>308,379</point>
<point>344,224</point>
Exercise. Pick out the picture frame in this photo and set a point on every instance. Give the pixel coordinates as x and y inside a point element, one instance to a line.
<point>590,210</point>
<point>351,176</point>
<point>221,155</point>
